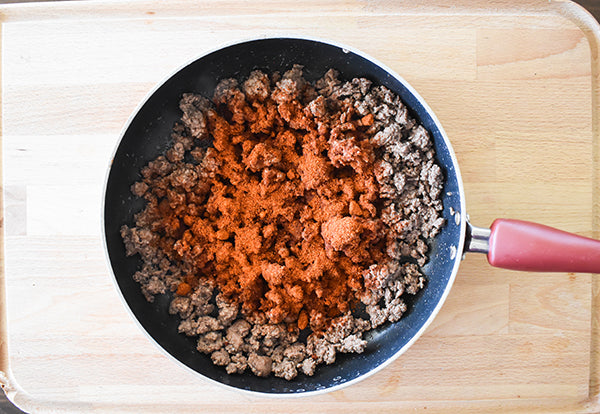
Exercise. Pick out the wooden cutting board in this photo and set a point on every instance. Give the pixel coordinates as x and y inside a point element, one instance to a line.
<point>516,88</point>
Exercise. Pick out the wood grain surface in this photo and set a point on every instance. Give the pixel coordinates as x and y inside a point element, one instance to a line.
<point>516,88</point>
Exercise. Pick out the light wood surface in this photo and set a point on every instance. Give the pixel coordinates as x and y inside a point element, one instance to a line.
<point>516,88</point>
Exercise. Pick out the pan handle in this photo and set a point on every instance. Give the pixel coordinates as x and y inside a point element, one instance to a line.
<point>523,245</point>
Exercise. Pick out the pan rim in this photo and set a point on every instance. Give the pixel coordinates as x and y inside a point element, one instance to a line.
<point>462,214</point>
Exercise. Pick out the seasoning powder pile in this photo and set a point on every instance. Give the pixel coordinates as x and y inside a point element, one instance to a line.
<point>284,206</point>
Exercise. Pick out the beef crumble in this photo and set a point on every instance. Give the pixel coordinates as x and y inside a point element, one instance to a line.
<point>311,200</point>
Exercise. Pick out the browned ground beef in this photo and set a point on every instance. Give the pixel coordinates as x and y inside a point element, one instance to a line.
<point>348,193</point>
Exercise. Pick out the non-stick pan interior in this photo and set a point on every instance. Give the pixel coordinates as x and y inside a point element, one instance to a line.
<point>147,136</point>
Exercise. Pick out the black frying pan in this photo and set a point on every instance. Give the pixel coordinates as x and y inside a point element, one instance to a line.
<point>147,135</point>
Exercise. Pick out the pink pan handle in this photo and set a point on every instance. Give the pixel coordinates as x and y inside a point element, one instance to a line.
<point>522,245</point>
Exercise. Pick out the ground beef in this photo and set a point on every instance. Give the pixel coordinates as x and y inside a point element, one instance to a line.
<point>238,364</point>
<point>220,357</point>
<point>210,342</point>
<point>182,306</point>
<point>321,350</point>
<point>208,324</point>
<point>308,366</point>
<point>260,365</point>
<point>295,352</point>
<point>236,334</point>
<point>284,206</point>
<point>285,369</point>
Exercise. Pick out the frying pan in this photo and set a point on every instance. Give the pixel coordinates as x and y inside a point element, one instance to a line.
<point>509,243</point>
